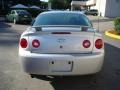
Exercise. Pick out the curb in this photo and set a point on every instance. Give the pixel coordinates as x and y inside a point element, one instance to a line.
<point>108,33</point>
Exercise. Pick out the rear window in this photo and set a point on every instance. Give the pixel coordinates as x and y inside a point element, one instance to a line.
<point>22,12</point>
<point>94,10</point>
<point>62,19</point>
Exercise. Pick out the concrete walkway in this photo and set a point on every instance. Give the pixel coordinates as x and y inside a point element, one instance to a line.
<point>102,23</point>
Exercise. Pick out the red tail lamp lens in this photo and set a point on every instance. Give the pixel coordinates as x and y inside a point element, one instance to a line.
<point>99,43</point>
<point>23,43</point>
<point>86,43</point>
<point>35,43</point>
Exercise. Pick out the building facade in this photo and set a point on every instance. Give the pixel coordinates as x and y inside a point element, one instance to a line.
<point>106,8</point>
<point>82,4</point>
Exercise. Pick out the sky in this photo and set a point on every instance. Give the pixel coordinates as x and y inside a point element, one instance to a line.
<point>44,0</point>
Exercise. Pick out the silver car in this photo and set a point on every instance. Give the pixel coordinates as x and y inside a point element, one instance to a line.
<point>61,43</point>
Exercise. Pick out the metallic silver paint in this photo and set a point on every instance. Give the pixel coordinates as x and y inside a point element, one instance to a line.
<point>82,63</point>
<point>61,54</point>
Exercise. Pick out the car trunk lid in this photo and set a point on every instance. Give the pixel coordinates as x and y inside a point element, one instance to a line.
<point>61,40</point>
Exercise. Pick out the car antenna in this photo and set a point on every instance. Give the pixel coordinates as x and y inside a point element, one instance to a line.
<point>99,14</point>
<point>98,27</point>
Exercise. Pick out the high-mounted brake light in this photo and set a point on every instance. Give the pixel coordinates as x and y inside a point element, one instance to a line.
<point>61,32</point>
<point>99,43</point>
<point>23,43</point>
<point>86,43</point>
<point>35,43</point>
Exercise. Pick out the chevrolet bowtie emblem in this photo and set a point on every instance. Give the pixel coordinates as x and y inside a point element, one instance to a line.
<point>61,40</point>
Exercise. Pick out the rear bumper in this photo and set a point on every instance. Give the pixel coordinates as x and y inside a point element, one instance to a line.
<point>81,63</point>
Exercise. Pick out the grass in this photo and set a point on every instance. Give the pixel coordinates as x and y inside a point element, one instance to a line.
<point>114,32</point>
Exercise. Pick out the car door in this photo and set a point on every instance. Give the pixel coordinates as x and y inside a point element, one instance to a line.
<point>12,15</point>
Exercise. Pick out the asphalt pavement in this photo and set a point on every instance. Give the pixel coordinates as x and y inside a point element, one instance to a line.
<point>13,78</point>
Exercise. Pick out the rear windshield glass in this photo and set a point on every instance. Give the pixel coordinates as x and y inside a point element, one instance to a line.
<point>22,12</point>
<point>94,10</point>
<point>62,19</point>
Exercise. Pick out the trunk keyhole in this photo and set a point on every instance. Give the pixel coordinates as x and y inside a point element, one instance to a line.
<point>69,62</point>
<point>52,62</point>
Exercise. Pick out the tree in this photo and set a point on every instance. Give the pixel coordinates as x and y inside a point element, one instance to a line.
<point>60,4</point>
<point>24,2</point>
<point>67,3</point>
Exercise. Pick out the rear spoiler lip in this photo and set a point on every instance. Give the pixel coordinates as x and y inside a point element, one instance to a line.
<point>74,26</point>
<point>77,26</point>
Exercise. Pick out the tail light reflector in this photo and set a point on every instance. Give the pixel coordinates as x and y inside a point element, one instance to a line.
<point>99,43</point>
<point>35,43</point>
<point>86,43</point>
<point>23,43</point>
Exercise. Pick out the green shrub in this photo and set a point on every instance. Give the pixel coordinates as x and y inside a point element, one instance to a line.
<point>117,24</point>
<point>35,12</point>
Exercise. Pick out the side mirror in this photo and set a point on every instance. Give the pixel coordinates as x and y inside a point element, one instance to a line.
<point>91,23</point>
<point>8,14</point>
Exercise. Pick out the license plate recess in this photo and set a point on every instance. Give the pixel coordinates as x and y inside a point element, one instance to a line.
<point>61,66</point>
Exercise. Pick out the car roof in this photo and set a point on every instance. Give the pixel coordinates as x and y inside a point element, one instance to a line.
<point>18,10</point>
<point>75,12</point>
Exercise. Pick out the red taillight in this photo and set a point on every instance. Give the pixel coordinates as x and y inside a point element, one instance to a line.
<point>23,43</point>
<point>35,43</point>
<point>99,43</point>
<point>86,43</point>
